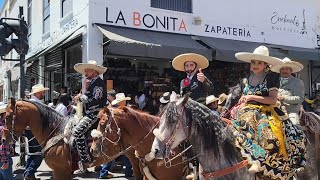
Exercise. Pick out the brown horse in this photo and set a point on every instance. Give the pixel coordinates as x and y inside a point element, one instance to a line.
<point>46,123</point>
<point>133,128</point>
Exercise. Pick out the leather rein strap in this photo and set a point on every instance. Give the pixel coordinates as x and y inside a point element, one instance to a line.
<point>224,171</point>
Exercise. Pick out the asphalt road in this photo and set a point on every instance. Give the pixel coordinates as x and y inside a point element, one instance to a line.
<point>44,172</point>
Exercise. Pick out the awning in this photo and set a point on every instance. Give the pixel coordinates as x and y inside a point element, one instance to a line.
<point>296,53</point>
<point>142,43</point>
<point>225,49</point>
<point>63,40</point>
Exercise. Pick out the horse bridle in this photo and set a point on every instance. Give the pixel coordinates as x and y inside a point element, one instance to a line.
<point>12,117</point>
<point>108,128</point>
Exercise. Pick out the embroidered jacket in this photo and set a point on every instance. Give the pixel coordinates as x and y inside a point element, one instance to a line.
<point>95,98</point>
<point>199,91</point>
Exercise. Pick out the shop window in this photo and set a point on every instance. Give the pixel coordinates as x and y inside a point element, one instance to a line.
<point>174,5</point>
<point>66,7</point>
<point>46,16</point>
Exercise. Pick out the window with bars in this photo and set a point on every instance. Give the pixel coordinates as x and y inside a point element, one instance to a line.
<point>46,16</point>
<point>174,5</point>
<point>66,7</point>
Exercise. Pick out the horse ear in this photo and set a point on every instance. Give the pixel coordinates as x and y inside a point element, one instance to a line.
<point>12,101</point>
<point>183,101</point>
<point>173,96</point>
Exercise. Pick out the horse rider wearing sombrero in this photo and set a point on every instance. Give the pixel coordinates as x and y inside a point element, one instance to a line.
<point>34,155</point>
<point>93,98</point>
<point>265,136</point>
<point>291,91</point>
<point>196,83</point>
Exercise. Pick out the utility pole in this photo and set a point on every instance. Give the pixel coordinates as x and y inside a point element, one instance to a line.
<point>9,26</point>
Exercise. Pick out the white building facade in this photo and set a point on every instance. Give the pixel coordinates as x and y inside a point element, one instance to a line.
<point>64,32</point>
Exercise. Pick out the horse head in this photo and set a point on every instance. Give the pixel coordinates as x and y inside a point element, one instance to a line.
<point>12,119</point>
<point>107,129</point>
<point>173,129</point>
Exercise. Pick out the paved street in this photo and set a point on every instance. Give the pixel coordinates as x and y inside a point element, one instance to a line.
<point>44,172</point>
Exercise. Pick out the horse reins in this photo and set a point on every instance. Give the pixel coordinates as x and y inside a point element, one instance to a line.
<point>128,148</point>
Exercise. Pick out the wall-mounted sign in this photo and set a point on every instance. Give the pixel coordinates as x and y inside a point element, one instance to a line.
<point>286,23</point>
<point>147,21</point>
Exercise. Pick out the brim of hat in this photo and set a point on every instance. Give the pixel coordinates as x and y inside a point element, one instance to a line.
<point>163,101</point>
<point>221,101</point>
<point>3,109</point>
<point>248,57</point>
<point>211,101</point>
<point>39,90</point>
<point>295,66</point>
<point>116,101</point>
<point>178,62</point>
<point>81,67</point>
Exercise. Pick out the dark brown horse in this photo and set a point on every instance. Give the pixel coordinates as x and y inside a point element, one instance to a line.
<point>46,123</point>
<point>127,127</point>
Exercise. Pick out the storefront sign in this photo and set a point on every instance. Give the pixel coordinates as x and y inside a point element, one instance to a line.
<point>286,23</point>
<point>147,21</point>
<point>230,31</point>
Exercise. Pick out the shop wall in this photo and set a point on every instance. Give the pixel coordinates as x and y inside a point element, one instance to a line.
<point>286,22</point>
<point>60,27</point>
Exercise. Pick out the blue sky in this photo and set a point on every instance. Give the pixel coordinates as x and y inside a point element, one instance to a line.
<point>1,3</point>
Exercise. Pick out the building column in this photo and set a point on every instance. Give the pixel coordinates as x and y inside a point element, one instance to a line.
<point>41,69</point>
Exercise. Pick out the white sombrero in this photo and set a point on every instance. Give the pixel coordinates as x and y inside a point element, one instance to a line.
<point>222,98</point>
<point>92,64</point>
<point>261,53</point>
<point>211,99</point>
<point>295,66</point>
<point>178,62</point>
<point>120,97</point>
<point>165,98</point>
<point>38,88</point>
<point>3,107</point>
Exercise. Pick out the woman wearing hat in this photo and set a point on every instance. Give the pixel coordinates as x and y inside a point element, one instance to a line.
<point>263,132</point>
<point>196,83</point>
<point>93,98</point>
<point>291,91</point>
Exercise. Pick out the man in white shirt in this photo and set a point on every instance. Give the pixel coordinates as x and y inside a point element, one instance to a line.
<point>34,156</point>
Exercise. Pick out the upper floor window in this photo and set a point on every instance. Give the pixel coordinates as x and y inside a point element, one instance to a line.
<point>66,7</point>
<point>174,5</point>
<point>46,16</point>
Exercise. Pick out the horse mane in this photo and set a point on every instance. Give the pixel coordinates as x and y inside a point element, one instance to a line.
<point>50,117</point>
<point>208,127</point>
<point>143,118</point>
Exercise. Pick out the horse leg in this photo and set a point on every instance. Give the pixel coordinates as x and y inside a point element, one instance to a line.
<point>135,165</point>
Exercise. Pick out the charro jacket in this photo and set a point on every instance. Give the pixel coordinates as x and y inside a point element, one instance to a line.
<point>198,90</point>
<point>95,98</point>
<point>293,92</point>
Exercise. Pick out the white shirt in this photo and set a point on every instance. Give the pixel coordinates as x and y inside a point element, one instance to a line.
<point>33,98</point>
<point>62,109</point>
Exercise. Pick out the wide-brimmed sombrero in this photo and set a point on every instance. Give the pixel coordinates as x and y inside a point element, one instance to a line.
<point>3,107</point>
<point>295,66</point>
<point>179,61</point>
<point>92,64</point>
<point>120,97</point>
<point>38,88</point>
<point>261,53</point>
<point>211,99</point>
<point>222,98</point>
